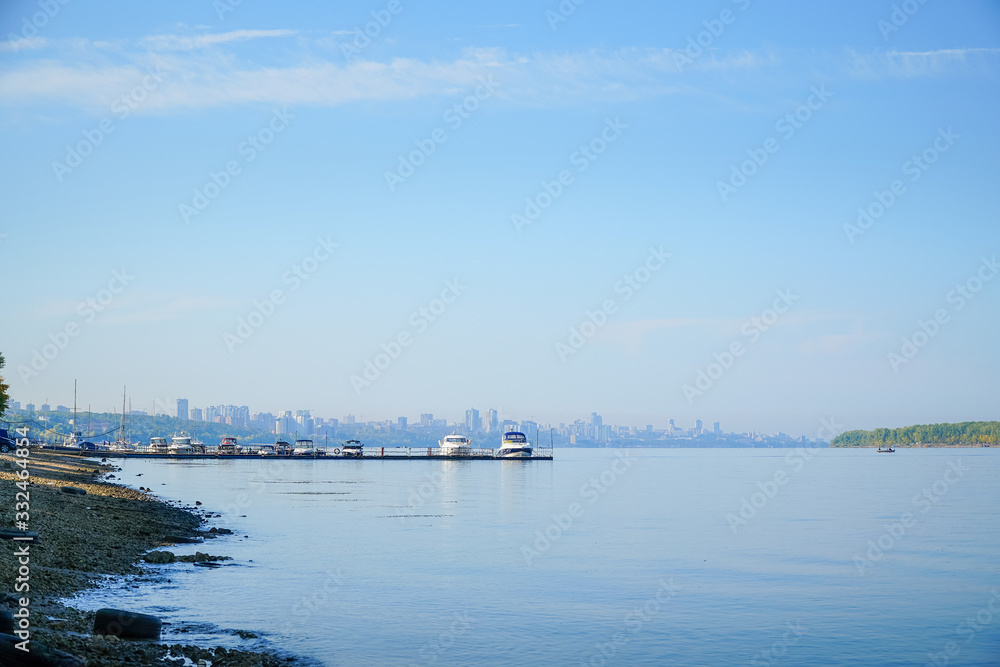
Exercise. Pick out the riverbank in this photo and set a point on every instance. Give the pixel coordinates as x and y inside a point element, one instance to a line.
<point>84,539</point>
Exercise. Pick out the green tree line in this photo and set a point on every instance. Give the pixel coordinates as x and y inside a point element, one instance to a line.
<point>965,433</point>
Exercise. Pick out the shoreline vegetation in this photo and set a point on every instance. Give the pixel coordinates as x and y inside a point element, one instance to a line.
<point>83,539</point>
<point>964,434</point>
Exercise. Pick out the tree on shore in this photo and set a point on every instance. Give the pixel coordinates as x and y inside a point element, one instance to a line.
<point>965,433</point>
<point>4,397</point>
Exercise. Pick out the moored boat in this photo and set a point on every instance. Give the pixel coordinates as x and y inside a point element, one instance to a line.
<point>887,450</point>
<point>455,445</point>
<point>305,447</point>
<point>352,449</point>
<point>228,447</point>
<point>514,445</point>
<point>180,445</point>
<point>158,445</point>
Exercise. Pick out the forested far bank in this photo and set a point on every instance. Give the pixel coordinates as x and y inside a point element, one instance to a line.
<point>971,434</point>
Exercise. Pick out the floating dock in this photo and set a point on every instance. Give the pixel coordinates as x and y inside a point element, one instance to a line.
<point>373,453</point>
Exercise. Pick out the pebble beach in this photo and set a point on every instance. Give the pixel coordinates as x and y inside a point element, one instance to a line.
<point>85,538</point>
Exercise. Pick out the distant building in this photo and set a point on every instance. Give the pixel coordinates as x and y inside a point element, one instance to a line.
<point>197,415</point>
<point>716,429</point>
<point>46,407</point>
<point>426,418</point>
<point>349,419</point>
<point>697,426</point>
<point>472,423</point>
<point>596,420</point>
<point>30,407</point>
<point>401,423</point>
<point>62,408</point>
<point>15,405</point>
<point>649,429</point>
<point>182,408</point>
<point>492,425</point>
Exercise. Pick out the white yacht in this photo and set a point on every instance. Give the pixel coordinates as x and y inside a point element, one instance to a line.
<point>305,447</point>
<point>514,446</point>
<point>455,445</point>
<point>179,445</point>
<point>158,445</point>
<point>352,449</point>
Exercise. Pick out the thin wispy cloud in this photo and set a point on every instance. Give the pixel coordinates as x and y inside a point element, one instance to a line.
<point>201,73</point>
<point>194,42</point>
<point>24,44</point>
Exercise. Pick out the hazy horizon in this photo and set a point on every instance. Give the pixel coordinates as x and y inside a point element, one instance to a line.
<point>761,214</point>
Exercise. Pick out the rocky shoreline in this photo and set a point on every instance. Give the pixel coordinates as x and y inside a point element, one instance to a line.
<point>83,539</point>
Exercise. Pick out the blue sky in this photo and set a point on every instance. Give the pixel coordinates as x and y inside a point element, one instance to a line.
<point>641,123</point>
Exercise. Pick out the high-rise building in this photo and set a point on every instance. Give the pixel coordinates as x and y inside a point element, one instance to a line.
<point>349,419</point>
<point>492,423</point>
<point>30,407</point>
<point>401,423</point>
<point>182,408</point>
<point>196,415</point>
<point>716,429</point>
<point>472,423</point>
<point>15,405</point>
<point>46,407</point>
<point>426,418</point>
<point>697,426</point>
<point>595,419</point>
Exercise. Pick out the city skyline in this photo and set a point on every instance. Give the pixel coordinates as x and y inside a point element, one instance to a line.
<point>766,213</point>
<point>289,421</point>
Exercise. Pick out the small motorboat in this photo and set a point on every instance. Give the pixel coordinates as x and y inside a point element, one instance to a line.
<point>886,450</point>
<point>228,447</point>
<point>352,449</point>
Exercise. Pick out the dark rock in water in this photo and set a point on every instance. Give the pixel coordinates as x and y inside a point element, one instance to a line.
<point>126,624</point>
<point>159,557</point>
<point>220,531</point>
<point>197,502</point>
<point>200,557</point>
